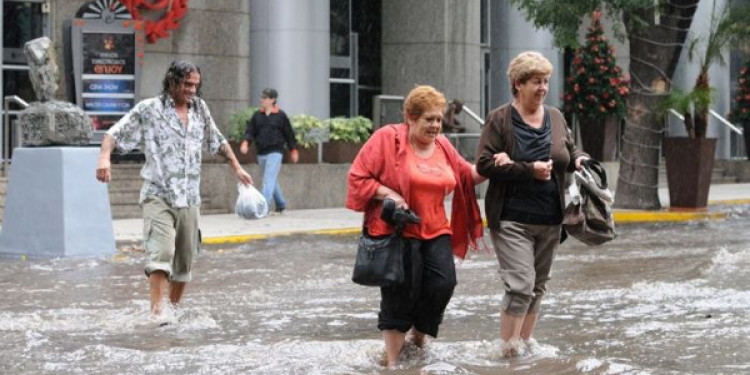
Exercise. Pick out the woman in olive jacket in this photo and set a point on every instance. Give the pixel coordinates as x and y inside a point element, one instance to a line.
<point>525,150</point>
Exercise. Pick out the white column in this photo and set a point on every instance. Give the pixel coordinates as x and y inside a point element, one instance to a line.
<point>290,44</point>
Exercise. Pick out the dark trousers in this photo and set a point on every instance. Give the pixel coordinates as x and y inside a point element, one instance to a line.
<point>421,300</point>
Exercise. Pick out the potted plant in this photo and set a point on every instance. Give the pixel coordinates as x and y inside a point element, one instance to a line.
<point>596,92</point>
<point>236,132</point>
<point>308,150</point>
<point>741,110</point>
<point>346,138</point>
<point>689,160</point>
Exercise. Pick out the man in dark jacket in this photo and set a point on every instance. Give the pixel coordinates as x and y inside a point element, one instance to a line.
<point>271,131</point>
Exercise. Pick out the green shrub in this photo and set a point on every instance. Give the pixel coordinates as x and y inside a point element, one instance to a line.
<point>354,130</point>
<point>237,123</point>
<point>302,124</point>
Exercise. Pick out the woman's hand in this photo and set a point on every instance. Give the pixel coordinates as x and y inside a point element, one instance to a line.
<point>579,162</point>
<point>244,146</point>
<point>385,192</point>
<point>501,159</point>
<point>400,202</point>
<point>543,170</point>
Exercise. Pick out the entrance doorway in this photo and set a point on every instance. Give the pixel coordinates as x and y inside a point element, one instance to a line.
<point>22,21</point>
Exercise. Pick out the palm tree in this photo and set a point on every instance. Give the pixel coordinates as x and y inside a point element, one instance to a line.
<point>729,27</point>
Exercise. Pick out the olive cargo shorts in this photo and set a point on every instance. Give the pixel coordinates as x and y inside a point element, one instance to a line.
<point>170,238</point>
<point>525,253</point>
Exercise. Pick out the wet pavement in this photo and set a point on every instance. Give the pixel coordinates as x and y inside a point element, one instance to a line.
<point>661,299</point>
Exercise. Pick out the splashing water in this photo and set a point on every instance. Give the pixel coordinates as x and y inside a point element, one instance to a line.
<point>661,299</point>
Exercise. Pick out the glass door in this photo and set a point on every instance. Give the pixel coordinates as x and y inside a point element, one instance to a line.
<point>23,20</point>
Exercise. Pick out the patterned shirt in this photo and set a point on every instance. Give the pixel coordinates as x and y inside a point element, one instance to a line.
<point>173,151</point>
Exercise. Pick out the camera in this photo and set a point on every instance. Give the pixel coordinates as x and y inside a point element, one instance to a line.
<point>398,217</point>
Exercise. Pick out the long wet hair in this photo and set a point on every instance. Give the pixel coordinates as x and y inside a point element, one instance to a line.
<point>179,70</point>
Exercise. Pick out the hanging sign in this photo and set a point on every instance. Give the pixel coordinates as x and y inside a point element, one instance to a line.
<point>108,50</point>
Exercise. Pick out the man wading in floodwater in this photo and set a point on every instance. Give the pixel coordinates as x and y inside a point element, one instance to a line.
<point>170,129</point>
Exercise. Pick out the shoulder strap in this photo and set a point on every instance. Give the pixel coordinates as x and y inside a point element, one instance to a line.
<point>596,167</point>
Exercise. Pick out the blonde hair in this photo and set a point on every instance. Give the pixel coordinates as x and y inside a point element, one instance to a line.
<point>421,99</point>
<point>525,66</point>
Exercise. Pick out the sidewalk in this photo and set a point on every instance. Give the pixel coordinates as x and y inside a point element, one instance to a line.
<point>229,228</point>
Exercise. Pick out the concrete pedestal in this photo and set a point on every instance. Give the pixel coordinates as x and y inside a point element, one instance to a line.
<point>55,207</point>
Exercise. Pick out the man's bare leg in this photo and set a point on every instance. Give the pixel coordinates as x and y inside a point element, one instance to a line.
<point>176,289</point>
<point>157,281</point>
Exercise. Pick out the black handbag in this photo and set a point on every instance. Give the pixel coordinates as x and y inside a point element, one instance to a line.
<point>380,260</point>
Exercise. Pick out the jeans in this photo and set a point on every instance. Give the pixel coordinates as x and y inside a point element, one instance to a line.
<point>270,164</point>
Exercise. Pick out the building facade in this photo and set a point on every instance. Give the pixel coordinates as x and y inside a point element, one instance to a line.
<point>334,57</point>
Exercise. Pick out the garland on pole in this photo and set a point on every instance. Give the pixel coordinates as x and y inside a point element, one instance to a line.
<point>175,10</point>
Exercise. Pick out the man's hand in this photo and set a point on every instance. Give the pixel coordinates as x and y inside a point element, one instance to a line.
<point>243,176</point>
<point>543,170</point>
<point>244,147</point>
<point>294,155</point>
<point>104,170</point>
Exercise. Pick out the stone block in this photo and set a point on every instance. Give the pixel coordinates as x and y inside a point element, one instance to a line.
<point>55,207</point>
<point>54,123</point>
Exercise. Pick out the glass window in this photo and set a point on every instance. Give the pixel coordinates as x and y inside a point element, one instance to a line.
<point>340,20</point>
<point>485,104</point>
<point>21,22</point>
<point>16,82</point>
<point>341,99</point>
<point>484,23</point>
<point>366,22</point>
<point>339,73</point>
<point>366,99</point>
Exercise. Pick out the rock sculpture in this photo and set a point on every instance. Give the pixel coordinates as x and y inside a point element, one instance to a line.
<point>50,122</point>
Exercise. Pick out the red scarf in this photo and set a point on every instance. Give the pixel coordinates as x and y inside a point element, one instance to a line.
<point>382,161</point>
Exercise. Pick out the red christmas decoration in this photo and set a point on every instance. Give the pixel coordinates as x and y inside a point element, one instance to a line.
<point>741,111</point>
<point>175,10</point>
<point>596,87</point>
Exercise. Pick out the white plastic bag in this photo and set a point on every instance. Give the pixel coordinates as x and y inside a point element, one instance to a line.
<point>250,203</point>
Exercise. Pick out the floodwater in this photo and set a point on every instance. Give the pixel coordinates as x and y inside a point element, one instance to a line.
<point>661,299</point>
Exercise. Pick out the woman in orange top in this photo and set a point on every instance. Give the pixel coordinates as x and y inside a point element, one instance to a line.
<point>415,166</point>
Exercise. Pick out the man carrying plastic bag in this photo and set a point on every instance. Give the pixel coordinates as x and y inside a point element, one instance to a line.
<point>250,203</point>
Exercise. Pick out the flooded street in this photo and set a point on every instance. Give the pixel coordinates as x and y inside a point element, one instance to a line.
<point>661,299</point>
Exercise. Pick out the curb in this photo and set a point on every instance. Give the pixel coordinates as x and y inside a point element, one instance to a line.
<point>621,217</point>
<point>665,215</point>
<point>632,217</point>
<point>251,237</point>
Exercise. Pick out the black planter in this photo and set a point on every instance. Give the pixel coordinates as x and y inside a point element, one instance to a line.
<point>338,152</point>
<point>306,155</point>
<point>746,135</point>
<point>690,162</point>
